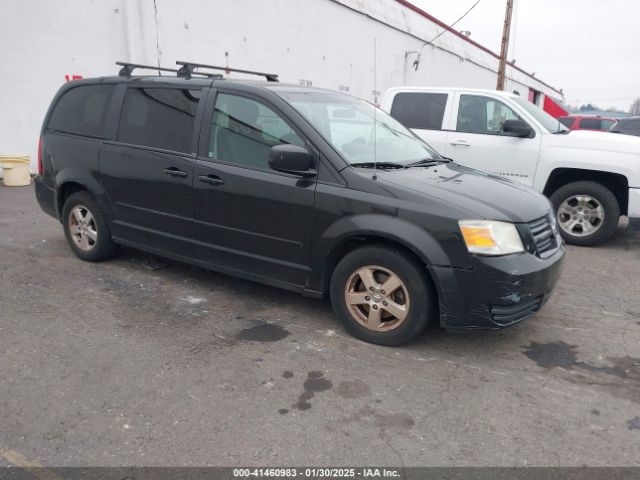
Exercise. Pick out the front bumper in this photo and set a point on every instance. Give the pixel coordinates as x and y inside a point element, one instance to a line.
<point>496,292</point>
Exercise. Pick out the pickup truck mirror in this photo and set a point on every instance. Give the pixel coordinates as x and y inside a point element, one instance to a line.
<point>516,128</point>
<point>292,159</point>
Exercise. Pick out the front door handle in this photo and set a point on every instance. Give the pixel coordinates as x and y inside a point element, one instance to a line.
<point>174,172</point>
<point>211,179</point>
<point>461,143</point>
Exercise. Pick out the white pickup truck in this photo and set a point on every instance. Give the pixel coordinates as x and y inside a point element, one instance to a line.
<point>592,178</point>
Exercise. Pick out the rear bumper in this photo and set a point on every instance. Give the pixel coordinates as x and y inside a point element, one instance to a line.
<point>46,197</point>
<point>496,292</point>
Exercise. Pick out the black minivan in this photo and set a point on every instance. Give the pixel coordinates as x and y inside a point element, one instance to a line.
<point>302,188</point>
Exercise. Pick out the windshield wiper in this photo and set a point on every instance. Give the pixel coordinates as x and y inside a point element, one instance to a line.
<point>380,165</point>
<point>428,161</point>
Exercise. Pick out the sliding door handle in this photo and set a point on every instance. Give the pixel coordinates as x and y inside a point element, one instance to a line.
<point>174,172</point>
<point>211,179</point>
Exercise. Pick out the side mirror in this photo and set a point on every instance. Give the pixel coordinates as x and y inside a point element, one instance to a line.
<point>517,128</point>
<point>292,159</point>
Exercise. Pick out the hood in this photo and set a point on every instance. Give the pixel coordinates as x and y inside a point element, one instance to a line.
<point>482,195</point>
<point>594,140</point>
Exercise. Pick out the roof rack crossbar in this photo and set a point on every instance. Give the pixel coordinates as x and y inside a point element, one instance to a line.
<point>128,68</point>
<point>188,68</point>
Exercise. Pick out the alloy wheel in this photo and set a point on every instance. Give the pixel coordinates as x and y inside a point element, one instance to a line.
<point>377,298</point>
<point>580,215</point>
<point>83,228</point>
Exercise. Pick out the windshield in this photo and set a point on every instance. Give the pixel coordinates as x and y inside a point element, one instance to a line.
<point>360,132</point>
<point>552,125</point>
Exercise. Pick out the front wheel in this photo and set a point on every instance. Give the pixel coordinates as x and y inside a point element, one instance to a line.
<point>587,212</point>
<point>382,295</point>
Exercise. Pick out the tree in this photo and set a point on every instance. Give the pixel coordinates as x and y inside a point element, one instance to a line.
<point>588,107</point>
<point>634,109</point>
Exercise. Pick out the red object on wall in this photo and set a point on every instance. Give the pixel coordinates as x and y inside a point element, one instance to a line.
<point>68,78</point>
<point>552,108</point>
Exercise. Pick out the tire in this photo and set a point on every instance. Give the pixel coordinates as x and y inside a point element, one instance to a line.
<point>413,298</point>
<point>85,228</point>
<point>570,203</point>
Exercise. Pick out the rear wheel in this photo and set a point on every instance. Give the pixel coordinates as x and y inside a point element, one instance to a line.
<point>382,295</point>
<point>587,212</point>
<point>85,228</point>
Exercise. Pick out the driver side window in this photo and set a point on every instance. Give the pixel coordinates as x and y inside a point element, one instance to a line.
<point>244,130</point>
<point>483,115</point>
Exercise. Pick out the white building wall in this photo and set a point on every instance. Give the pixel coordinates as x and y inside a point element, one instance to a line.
<point>330,43</point>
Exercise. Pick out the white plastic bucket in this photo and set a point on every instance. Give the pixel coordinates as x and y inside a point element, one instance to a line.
<point>15,170</point>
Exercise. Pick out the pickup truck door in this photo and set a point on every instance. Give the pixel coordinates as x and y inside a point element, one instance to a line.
<point>476,139</point>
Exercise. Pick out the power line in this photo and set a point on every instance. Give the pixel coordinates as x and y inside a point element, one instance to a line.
<point>454,23</point>
<point>416,62</point>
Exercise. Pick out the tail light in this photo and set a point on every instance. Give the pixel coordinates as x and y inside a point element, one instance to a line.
<point>40,169</point>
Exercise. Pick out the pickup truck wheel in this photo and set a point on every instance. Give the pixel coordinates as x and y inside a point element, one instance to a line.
<point>587,212</point>
<point>85,228</point>
<point>381,295</point>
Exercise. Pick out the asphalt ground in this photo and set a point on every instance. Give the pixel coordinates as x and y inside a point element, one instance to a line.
<point>142,361</point>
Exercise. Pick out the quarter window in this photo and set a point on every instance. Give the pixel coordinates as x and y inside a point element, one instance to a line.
<point>159,117</point>
<point>484,115</point>
<point>244,130</point>
<point>419,110</point>
<point>82,110</point>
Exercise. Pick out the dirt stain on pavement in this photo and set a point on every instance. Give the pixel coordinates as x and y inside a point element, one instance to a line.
<point>621,376</point>
<point>287,374</point>
<point>383,420</point>
<point>263,332</point>
<point>634,423</point>
<point>315,383</point>
<point>554,354</point>
<point>352,389</point>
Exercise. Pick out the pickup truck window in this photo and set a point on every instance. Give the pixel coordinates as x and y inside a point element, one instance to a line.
<point>419,110</point>
<point>552,125</point>
<point>566,121</point>
<point>590,123</point>
<point>484,115</point>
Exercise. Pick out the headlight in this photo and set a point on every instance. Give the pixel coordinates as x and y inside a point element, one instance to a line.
<point>490,238</point>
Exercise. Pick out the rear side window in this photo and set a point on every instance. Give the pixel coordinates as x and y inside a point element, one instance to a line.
<point>159,117</point>
<point>591,123</point>
<point>419,110</point>
<point>566,121</point>
<point>82,110</point>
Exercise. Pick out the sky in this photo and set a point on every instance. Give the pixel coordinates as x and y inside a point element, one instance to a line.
<point>589,48</point>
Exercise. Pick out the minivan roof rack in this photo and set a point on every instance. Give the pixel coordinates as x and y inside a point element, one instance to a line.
<point>128,68</point>
<point>187,69</point>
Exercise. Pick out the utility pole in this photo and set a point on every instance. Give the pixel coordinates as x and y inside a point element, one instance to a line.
<point>504,48</point>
